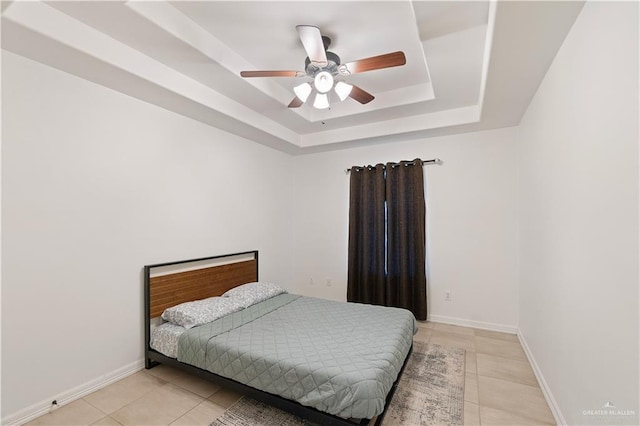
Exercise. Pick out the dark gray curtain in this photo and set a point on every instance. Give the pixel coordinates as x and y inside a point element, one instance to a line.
<point>387,249</point>
<point>366,272</point>
<point>406,239</point>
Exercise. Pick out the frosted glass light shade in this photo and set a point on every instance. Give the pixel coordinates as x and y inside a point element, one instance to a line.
<point>302,91</point>
<point>343,90</point>
<point>321,101</point>
<point>323,82</point>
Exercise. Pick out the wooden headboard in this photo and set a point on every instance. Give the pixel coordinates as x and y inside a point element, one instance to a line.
<point>169,284</point>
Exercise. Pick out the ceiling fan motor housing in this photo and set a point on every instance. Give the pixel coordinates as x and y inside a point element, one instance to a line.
<point>333,61</point>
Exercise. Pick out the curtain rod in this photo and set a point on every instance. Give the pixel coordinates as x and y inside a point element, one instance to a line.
<point>433,161</point>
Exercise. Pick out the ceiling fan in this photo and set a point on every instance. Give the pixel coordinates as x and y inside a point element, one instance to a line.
<point>326,70</point>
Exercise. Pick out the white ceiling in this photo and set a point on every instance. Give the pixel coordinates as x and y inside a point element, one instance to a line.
<point>470,65</point>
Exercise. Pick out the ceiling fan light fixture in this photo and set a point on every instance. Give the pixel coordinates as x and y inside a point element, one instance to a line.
<point>321,101</point>
<point>343,90</point>
<point>303,91</point>
<point>323,82</point>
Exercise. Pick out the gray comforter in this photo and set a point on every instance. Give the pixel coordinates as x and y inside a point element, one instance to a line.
<point>340,358</point>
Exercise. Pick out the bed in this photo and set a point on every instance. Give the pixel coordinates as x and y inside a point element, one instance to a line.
<point>328,362</point>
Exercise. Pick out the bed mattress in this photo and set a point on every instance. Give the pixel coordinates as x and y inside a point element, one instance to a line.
<point>340,358</point>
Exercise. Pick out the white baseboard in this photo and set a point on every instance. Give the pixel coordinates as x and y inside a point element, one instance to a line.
<point>474,324</point>
<point>38,409</point>
<point>546,391</point>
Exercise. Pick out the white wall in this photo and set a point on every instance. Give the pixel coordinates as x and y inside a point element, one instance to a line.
<point>578,214</point>
<point>471,223</point>
<point>95,185</point>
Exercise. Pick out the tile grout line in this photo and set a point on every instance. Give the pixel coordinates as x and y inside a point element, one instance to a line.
<point>510,381</point>
<point>128,403</point>
<point>475,356</point>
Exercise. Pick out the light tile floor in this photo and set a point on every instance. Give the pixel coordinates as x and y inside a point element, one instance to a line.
<point>500,389</point>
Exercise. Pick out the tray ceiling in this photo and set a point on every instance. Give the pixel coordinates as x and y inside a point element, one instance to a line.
<point>470,65</point>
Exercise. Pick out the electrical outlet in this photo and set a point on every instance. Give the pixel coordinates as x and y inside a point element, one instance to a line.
<point>311,281</point>
<point>447,296</point>
<point>328,281</point>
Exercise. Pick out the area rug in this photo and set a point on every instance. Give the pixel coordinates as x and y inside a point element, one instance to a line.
<point>430,392</point>
<point>431,389</point>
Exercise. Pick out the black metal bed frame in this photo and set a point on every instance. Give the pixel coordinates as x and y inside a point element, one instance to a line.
<point>154,358</point>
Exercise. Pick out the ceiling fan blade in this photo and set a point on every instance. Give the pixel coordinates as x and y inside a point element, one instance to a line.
<point>295,103</point>
<point>373,63</point>
<point>312,41</point>
<point>272,73</point>
<point>360,95</point>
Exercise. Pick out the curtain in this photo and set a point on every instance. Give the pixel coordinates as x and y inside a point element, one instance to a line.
<point>406,239</point>
<point>387,240</point>
<point>366,272</point>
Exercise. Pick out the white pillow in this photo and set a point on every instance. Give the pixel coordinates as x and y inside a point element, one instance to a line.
<point>198,312</point>
<point>251,293</point>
